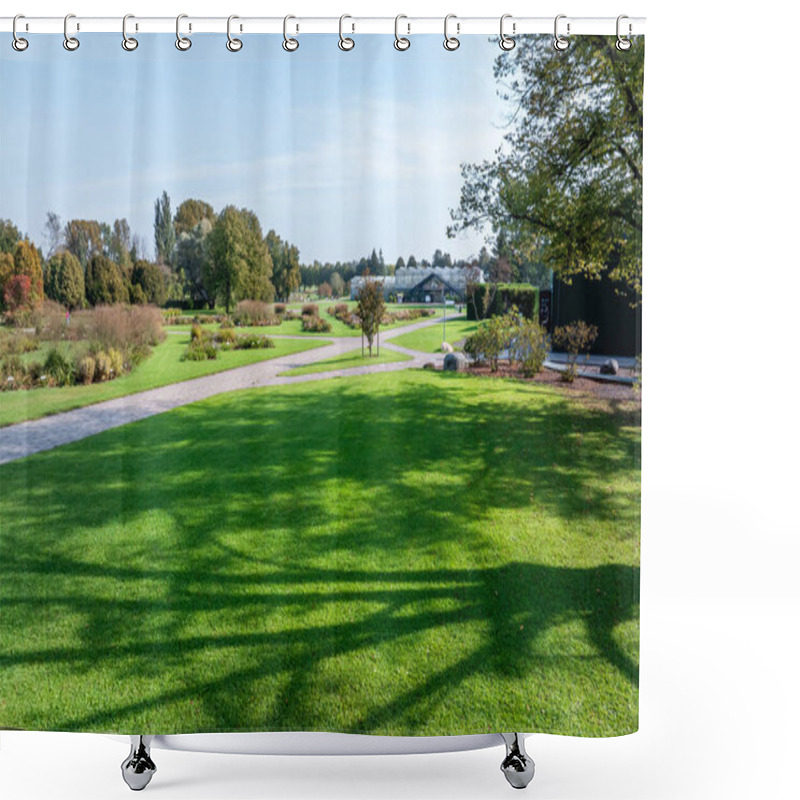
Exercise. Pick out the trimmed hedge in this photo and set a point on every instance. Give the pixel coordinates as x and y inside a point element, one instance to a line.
<point>522,295</point>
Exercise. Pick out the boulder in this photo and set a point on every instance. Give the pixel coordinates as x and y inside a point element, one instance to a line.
<point>447,348</point>
<point>429,365</point>
<point>610,367</point>
<point>455,362</point>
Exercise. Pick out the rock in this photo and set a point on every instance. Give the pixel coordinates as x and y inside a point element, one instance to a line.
<point>429,365</point>
<point>447,348</point>
<point>455,362</point>
<point>610,367</point>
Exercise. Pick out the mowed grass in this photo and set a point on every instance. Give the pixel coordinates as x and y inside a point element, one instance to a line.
<point>404,553</point>
<point>163,367</point>
<point>429,340</point>
<point>349,361</point>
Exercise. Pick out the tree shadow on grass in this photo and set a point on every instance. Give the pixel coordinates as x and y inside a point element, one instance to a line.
<point>294,528</point>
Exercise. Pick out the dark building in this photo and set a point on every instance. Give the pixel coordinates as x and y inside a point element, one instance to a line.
<point>598,302</point>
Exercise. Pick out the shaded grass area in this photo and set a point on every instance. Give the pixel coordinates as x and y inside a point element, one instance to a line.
<point>163,367</point>
<point>429,340</point>
<point>405,553</point>
<point>348,361</point>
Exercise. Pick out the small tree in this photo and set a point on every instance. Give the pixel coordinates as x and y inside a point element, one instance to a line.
<point>528,347</point>
<point>324,289</point>
<point>370,309</point>
<point>575,338</point>
<point>17,296</point>
<point>63,280</point>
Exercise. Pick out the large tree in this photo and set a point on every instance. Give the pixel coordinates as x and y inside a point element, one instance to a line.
<point>9,236</point>
<point>239,266</point>
<point>152,281</point>
<point>568,180</point>
<point>53,233</point>
<point>285,265</point>
<point>27,261</point>
<point>191,255</point>
<point>189,214</point>
<point>105,284</point>
<point>63,280</point>
<point>84,239</point>
<point>164,230</point>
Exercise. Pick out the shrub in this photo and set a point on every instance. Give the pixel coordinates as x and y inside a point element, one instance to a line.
<point>251,312</point>
<point>225,336</point>
<point>529,344</point>
<point>486,300</point>
<point>125,326</point>
<point>200,350</point>
<point>491,338</point>
<point>310,310</point>
<point>253,341</point>
<point>289,315</point>
<point>117,362</point>
<point>280,309</point>
<point>86,368</point>
<point>102,367</point>
<point>36,374</point>
<point>575,338</point>
<point>197,333</point>
<point>315,324</point>
<point>13,373</point>
<point>59,369</point>
<point>18,344</point>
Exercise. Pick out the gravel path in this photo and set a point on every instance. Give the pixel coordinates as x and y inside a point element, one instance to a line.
<point>26,438</point>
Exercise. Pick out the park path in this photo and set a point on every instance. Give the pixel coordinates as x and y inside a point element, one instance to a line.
<point>25,438</point>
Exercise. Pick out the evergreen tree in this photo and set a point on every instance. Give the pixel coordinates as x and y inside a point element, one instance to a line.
<point>164,231</point>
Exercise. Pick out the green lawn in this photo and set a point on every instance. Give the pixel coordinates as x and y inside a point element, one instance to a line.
<point>293,327</point>
<point>159,369</point>
<point>404,553</point>
<point>348,361</point>
<point>429,340</point>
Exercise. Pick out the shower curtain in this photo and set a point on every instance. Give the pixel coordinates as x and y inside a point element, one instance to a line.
<point>321,385</point>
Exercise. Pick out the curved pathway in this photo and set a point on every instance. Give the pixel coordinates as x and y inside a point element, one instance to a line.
<point>26,438</point>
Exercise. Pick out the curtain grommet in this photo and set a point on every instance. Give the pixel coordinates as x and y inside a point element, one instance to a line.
<point>183,43</point>
<point>560,43</point>
<point>18,43</point>
<point>71,43</point>
<point>233,44</point>
<point>451,43</point>
<point>129,43</point>
<point>401,43</point>
<point>289,44</point>
<point>506,42</point>
<point>623,42</point>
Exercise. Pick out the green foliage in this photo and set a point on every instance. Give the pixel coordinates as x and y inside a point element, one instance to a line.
<point>189,215</point>
<point>314,324</point>
<point>486,300</point>
<point>370,308</point>
<point>63,280</point>
<point>191,258</point>
<point>197,333</point>
<point>575,339</point>
<point>528,346</point>
<point>239,263</point>
<point>567,185</point>
<point>84,239</point>
<point>152,281</point>
<point>285,265</point>
<point>200,350</point>
<point>13,374</point>
<point>104,282</point>
<point>490,340</point>
<point>164,230</point>
<point>59,369</point>
<point>137,295</point>
<point>9,236</point>
<point>253,341</point>
<point>28,262</point>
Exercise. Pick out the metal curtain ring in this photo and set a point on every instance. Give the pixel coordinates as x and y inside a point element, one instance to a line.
<point>345,42</point>
<point>559,42</point>
<point>400,42</point>
<point>233,44</point>
<point>70,42</point>
<point>451,42</point>
<point>289,45</point>
<point>506,42</point>
<point>623,42</point>
<point>128,42</point>
<point>181,42</point>
<point>18,43</point>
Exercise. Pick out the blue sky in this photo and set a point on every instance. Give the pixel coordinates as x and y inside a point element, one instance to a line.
<point>339,152</point>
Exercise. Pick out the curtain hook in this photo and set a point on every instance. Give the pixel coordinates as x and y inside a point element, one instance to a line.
<point>183,43</point>
<point>70,42</point>
<point>289,45</point>
<point>451,42</point>
<point>559,42</point>
<point>506,42</point>
<point>345,42</point>
<point>233,44</point>
<point>400,42</point>
<point>623,42</point>
<point>18,43</point>
<point>128,42</point>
